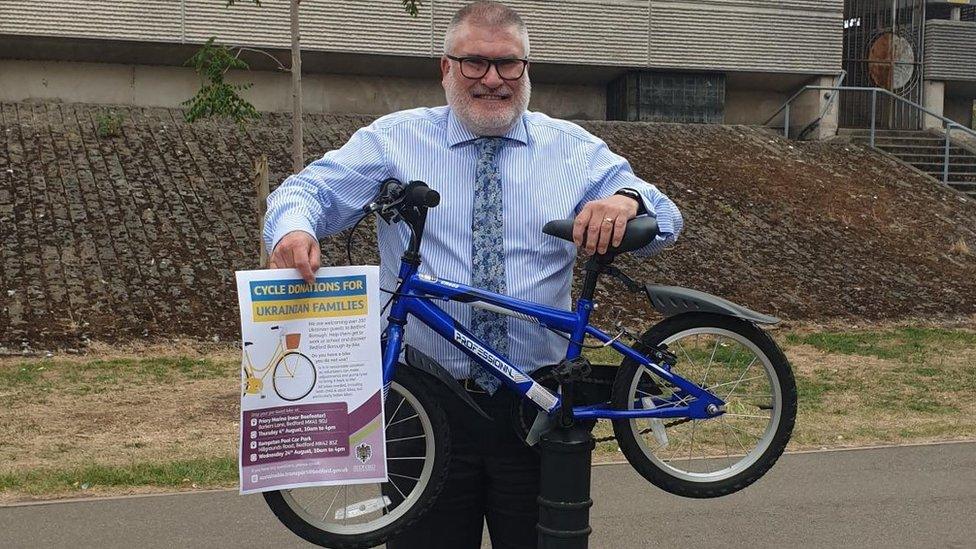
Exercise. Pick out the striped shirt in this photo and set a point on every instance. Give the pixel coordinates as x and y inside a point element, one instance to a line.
<point>549,168</point>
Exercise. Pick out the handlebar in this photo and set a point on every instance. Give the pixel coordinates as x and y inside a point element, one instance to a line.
<point>395,197</point>
<point>398,202</point>
<point>418,194</point>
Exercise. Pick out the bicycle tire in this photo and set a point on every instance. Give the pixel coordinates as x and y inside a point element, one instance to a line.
<point>418,499</point>
<point>668,474</point>
<point>304,361</point>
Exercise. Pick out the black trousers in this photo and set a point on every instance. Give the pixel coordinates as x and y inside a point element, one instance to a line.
<point>493,476</point>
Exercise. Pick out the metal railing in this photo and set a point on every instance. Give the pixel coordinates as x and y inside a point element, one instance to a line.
<point>830,100</point>
<point>948,124</point>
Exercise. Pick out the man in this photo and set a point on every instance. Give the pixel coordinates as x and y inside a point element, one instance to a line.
<point>502,173</point>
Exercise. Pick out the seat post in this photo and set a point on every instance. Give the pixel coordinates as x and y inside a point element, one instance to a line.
<point>594,267</point>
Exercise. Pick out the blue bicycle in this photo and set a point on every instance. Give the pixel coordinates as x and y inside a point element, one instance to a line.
<point>702,405</point>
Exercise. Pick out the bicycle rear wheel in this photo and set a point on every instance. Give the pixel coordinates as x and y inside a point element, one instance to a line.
<point>711,457</point>
<point>418,450</point>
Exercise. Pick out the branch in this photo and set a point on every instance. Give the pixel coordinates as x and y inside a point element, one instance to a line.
<point>262,52</point>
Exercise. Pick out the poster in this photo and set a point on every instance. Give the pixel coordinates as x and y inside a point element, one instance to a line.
<point>311,379</point>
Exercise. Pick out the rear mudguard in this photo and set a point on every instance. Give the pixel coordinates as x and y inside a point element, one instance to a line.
<point>673,300</point>
<point>429,366</point>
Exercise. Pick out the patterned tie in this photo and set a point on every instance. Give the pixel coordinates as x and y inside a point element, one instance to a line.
<point>488,255</point>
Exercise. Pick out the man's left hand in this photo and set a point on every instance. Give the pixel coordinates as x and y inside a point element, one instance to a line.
<point>602,222</point>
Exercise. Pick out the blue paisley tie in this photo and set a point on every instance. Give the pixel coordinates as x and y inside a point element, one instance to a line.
<point>488,255</point>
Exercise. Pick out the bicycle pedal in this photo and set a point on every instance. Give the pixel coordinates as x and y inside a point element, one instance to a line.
<point>573,369</point>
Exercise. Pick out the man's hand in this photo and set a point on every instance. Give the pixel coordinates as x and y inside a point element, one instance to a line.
<point>300,250</point>
<point>600,219</point>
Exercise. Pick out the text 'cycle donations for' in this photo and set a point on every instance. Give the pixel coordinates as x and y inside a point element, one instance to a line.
<point>311,379</point>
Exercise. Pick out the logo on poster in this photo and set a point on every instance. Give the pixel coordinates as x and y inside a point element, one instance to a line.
<point>364,452</point>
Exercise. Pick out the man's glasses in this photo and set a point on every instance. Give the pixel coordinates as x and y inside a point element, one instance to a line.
<point>476,67</point>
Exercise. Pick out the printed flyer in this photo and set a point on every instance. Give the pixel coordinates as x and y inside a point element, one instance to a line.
<point>311,379</point>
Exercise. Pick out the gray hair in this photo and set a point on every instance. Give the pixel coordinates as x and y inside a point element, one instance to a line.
<point>489,14</point>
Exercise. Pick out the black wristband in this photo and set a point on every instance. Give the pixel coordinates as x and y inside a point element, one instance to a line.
<point>631,193</point>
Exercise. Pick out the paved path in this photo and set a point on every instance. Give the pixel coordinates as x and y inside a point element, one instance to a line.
<point>893,497</point>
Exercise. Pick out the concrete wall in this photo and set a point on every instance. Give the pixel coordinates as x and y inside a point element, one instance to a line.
<point>752,106</point>
<point>933,94</point>
<point>146,85</point>
<point>803,36</point>
<point>949,50</point>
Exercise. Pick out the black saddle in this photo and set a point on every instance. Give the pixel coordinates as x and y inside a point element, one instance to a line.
<point>640,232</point>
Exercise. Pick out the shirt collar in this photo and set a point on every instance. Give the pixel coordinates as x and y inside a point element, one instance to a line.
<point>458,134</point>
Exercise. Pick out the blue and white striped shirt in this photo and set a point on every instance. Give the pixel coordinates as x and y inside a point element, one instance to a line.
<point>549,168</point>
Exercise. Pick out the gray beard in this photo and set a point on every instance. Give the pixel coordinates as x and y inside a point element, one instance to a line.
<point>499,123</point>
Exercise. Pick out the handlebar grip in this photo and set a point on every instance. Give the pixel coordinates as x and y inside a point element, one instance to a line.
<point>421,196</point>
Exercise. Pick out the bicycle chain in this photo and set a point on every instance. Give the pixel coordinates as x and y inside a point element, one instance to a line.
<point>596,381</point>
<point>645,431</point>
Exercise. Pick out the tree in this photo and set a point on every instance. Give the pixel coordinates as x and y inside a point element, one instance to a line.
<point>218,98</point>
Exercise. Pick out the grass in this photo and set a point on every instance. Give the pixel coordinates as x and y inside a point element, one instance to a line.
<point>195,473</point>
<point>168,422</point>
<point>904,344</point>
<point>34,379</point>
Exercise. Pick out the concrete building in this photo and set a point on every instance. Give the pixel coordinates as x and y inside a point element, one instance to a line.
<point>731,61</point>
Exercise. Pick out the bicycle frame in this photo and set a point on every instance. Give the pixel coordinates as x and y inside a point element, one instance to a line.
<point>414,295</point>
<point>251,370</point>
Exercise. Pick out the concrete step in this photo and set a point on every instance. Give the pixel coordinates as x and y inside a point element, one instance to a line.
<point>935,159</point>
<point>900,150</point>
<point>910,143</point>
<point>921,139</point>
<point>938,166</point>
<point>970,191</point>
<point>879,131</point>
<point>955,177</point>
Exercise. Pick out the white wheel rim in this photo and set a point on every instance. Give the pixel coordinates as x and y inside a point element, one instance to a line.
<point>320,519</point>
<point>750,456</point>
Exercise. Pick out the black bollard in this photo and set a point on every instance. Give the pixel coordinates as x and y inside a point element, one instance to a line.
<point>564,488</point>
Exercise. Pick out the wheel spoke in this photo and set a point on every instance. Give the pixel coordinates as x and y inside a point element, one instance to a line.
<point>402,495</point>
<point>403,476</point>
<point>379,505</point>
<point>727,363</point>
<point>316,498</point>
<point>736,437</point>
<point>744,372</point>
<point>710,359</point>
<point>733,382</point>
<point>388,425</point>
<point>745,416</point>
<point>692,362</point>
<point>389,440</point>
<point>326,515</point>
<point>725,440</point>
<point>393,415</point>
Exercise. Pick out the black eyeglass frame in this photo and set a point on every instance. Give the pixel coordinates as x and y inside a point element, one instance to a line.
<point>492,62</point>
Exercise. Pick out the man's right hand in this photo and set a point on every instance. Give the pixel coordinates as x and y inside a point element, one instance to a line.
<point>300,250</point>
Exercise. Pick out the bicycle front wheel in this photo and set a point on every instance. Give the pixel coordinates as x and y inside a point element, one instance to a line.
<point>293,376</point>
<point>418,449</point>
<point>716,456</point>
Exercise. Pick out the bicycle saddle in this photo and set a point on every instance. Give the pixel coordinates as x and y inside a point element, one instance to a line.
<point>640,232</point>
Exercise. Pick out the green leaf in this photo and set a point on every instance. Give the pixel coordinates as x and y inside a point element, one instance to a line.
<point>412,6</point>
